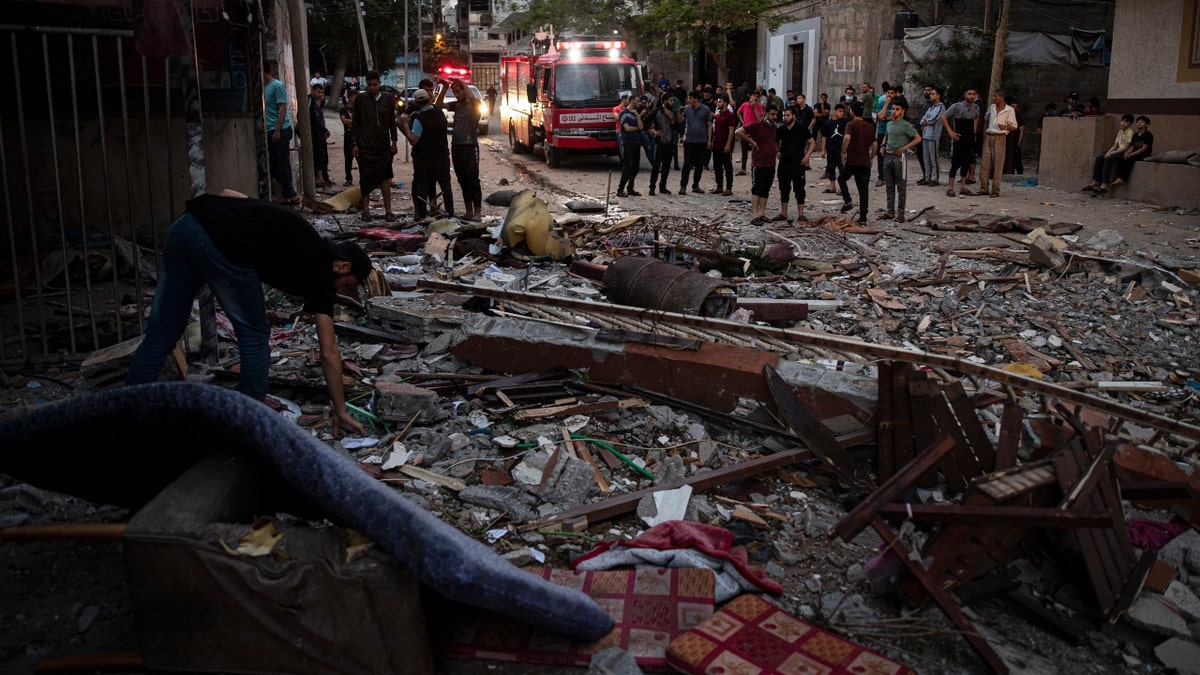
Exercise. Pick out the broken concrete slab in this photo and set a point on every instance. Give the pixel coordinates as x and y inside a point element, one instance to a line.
<point>416,318</point>
<point>1182,656</point>
<point>513,501</point>
<point>1152,612</point>
<point>569,482</point>
<point>714,376</point>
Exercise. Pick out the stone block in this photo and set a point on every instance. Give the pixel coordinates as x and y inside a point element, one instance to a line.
<point>400,401</point>
<point>569,483</point>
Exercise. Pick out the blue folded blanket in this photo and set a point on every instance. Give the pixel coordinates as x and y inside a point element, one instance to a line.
<point>165,427</point>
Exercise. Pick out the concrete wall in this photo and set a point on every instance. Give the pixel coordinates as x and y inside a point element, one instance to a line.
<point>53,193</point>
<point>1068,146</point>
<point>1149,37</point>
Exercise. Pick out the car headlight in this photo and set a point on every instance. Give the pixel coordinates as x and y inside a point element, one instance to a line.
<point>483,109</point>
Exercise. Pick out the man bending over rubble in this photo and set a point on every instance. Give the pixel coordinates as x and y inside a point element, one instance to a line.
<point>235,244</point>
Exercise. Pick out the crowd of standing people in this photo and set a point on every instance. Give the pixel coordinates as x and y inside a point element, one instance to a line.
<point>778,135</point>
<point>698,129</point>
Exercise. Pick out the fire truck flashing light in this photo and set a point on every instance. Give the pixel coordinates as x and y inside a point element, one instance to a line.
<point>450,72</point>
<point>599,45</point>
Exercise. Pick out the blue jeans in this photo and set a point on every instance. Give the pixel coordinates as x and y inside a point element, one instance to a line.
<point>190,260</point>
<point>281,162</point>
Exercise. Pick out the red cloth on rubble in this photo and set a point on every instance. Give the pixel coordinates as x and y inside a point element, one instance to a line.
<point>1153,535</point>
<point>683,534</point>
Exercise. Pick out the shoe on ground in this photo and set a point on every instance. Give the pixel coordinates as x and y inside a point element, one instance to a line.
<point>801,218</point>
<point>862,220</point>
<point>879,183</point>
<point>993,194</point>
<point>621,193</point>
<point>663,190</point>
<point>847,207</point>
<point>683,190</point>
<point>348,182</point>
<point>966,193</point>
<point>742,172</point>
<point>900,219</point>
<point>759,220</point>
<point>932,182</point>
<point>970,181</point>
<point>697,189</point>
<point>633,193</point>
<point>888,216</point>
<point>651,191</point>
<point>728,193</point>
<point>715,191</point>
<point>950,192</point>
<point>922,182</point>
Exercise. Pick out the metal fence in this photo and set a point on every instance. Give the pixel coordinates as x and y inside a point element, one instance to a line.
<point>86,167</point>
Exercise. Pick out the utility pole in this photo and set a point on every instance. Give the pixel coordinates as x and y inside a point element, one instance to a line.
<point>299,28</point>
<point>1001,47</point>
<point>406,52</point>
<point>362,32</point>
<point>420,48</point>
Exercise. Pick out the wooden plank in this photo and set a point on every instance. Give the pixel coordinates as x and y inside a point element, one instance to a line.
<point>586,456</point>
<point>942,598</point>
<point>627,503</point>
<point>1099,568</point>
<point>431,477</point>
<point>813,433</point>
<point>902,481</point>
<point>580,409</point>
<point>925,431</point>
<point>968,419</point>
<point>1010,435</point>
<point>947,422</point>
<point>620,335</point>
<point>901,421</point>
<point>886,463</point>
<point>1026,516</point>
<point>1133,588</point>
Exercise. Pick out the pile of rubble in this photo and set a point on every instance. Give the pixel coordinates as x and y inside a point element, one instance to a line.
<point>917,437</point>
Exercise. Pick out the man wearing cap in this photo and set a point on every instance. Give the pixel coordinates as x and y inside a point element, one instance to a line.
<point>235,245</point>
<point>426,131</point>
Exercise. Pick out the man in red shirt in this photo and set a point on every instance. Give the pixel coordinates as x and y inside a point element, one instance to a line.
<point>858,152</point>
<point>763,150</point>
<point>724,122</point>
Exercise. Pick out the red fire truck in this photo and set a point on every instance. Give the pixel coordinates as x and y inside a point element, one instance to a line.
<point>562,96</point>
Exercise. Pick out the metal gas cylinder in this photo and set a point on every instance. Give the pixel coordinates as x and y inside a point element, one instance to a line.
<point>654,284</point>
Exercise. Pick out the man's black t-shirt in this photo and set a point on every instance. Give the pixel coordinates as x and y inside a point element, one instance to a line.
<point>792,144</point>
<point>277,242</point>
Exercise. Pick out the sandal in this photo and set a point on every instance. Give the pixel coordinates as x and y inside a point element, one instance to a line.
<point>966,193</point>
<point>950,192</point>
<point>887,216</point>
<point>758,220</point>
<point>366,218</point>
<point>829,192</point>
<point>779,217</point>
<point>391,218</point>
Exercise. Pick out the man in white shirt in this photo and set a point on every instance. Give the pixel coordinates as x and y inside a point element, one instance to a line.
<point>1000,120</point>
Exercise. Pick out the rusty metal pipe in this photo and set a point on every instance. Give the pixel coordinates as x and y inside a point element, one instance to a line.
<point>64,532</point>
<point>651,283</point>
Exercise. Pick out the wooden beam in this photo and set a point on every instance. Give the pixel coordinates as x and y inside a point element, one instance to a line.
<point>813,432</point>
<point>941,597</point>
<point>962,514</point>
<point>902,481</point>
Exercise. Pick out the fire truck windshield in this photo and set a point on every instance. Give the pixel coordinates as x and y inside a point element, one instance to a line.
<point>593,84</point>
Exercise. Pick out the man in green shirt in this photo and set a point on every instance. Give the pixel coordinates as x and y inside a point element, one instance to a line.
<point>901,137</point>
